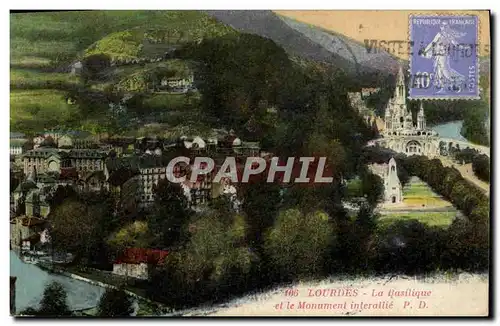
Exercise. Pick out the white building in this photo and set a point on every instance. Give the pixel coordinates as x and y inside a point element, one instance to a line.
<point>16,147</point>
<point>393,191</point>
<point>401,133</point>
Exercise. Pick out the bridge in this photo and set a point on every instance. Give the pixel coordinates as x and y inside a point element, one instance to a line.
<point>464,144</point>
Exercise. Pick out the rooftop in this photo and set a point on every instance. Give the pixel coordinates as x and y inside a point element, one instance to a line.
<point>142,255</point>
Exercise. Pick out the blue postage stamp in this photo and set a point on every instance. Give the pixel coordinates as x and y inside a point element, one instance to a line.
<point>444,62</point>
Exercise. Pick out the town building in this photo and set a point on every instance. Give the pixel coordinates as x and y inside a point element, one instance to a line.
<point>365,92</point>
<point>25,231</point>
<point>49,159</point>
<point>43,160</point>
<point>77,140</point>
<point>138,262</point>
<point>177,82</point>
<point>17,146</point>
<point>87,160</point>
<point>357,103</point>
<point>76,68</point>
<point>393,191</point>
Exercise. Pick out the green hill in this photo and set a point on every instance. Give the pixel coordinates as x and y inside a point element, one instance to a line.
<point>43,45</point>
<point>42,39</point>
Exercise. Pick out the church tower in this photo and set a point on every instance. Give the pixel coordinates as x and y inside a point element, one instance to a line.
<point>388,119</point>
<point>400,94</point>
<point>393,189</point>
<point>421,125</point>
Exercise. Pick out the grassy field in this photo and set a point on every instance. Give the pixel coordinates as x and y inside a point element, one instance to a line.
<point>32,110</point>
<point>430,218</point>
<point>417,193</point>
<point>34,79</point>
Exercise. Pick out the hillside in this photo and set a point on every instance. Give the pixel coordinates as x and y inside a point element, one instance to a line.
<point>310,42</point>
<point>43,45</point>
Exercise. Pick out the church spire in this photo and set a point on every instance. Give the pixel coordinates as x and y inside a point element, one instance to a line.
<point>421,110</point>
<point>400,94</point>
<point>421,117</point>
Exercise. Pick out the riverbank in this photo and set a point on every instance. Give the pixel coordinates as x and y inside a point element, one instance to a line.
<point>107,280</point>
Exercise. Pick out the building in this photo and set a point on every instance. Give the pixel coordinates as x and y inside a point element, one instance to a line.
<point>401,133</point>
<point>87,160</point>
<point>358,104</point>
<point>138,262</point>
<point>77,140</point>
<point>369,91</point>
<point>48,159</point>
<point>94,181</point>
<point>76,68</point>
<point>25,231</point>
<point>393,191</point>
<point>44,159</point>
<point>152,169</point>
<point>176,82</point>
<point>17,146</point>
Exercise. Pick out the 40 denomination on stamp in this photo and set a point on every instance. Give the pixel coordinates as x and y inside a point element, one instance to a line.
<point>444,63</point>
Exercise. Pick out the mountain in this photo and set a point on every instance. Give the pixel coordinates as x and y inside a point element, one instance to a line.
<point>310,42</point>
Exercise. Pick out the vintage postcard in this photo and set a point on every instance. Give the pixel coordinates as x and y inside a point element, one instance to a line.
<point>250,163</point>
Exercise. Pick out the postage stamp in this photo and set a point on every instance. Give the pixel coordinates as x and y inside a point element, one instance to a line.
<point>444,61</point>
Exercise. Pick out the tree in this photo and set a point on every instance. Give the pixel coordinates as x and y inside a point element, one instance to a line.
<point>53,303</point>
<point>261,203</point>
<point>135,234</point>
<point>481,167</point>
<point>171,212</point>
<point>216,261</point>
<point>115,303</point>
<point>298,243</point>
<point>94,64</point>
<point>81,225</point>
<point>373,188</point>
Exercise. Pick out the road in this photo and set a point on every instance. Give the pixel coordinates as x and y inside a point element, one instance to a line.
<point>468,174</point>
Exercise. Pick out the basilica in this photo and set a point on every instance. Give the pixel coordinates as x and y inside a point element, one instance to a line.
<point>401,133</point>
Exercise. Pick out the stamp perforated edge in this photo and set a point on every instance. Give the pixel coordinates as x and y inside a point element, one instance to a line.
<point>478,60</point>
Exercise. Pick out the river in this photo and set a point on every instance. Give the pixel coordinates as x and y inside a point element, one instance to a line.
<point>450,130</point>
<point>31,281</point>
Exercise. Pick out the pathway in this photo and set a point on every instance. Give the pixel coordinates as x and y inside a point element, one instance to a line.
<point>466,172</point>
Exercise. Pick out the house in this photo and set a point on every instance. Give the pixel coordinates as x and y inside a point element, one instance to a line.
<point>36,202</point>
<point>54,134</point>
<point>93,181</point>
<point>38,140</point>
<point>17,135</point>
<point>369,91</point>
<point>176,82</point>
<point>138,262</point>
<point>21,191</point>
<point>24,231</point>
<point>193,142</point>
<point>77,140</point>
<point>16,146</point>
<point>76,68</point>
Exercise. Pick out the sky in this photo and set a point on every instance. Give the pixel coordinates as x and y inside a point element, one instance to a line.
<point>387,25</point>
